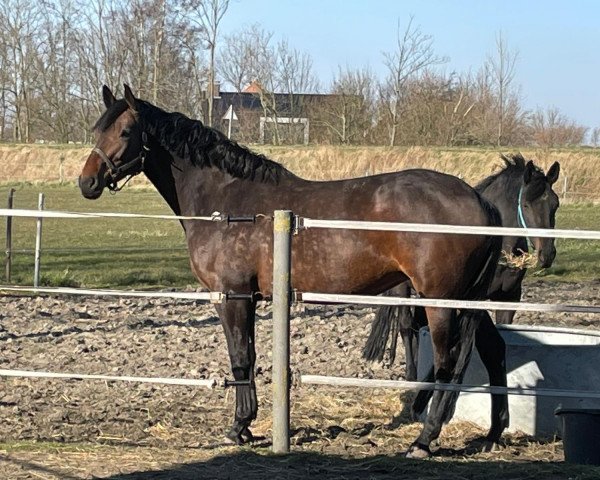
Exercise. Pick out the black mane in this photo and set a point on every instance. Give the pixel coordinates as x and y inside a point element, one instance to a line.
<point>206,147</point>
<point>512,174</point>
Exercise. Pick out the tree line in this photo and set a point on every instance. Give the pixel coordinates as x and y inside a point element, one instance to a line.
<point>55,55</point>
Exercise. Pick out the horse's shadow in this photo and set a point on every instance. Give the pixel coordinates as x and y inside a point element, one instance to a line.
<point>251,464</point>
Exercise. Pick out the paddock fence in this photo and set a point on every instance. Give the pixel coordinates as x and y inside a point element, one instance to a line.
<point>285,226</point>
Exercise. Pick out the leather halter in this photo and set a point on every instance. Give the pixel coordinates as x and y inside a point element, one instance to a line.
<point>124,168</point>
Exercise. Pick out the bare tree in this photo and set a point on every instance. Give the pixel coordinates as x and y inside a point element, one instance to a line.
<point>502,67</point>
<point>595,136</point>
<point>414,53</point>
<point>551,128</point>
<point>348,114</point>
<point>20,22</point>
<point>244,56</point>
<point>208,15</point>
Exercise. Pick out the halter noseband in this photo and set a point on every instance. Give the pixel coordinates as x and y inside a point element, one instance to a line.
<point>115,170</point>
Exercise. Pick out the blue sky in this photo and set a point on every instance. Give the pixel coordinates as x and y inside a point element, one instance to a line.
<point>558,42</point>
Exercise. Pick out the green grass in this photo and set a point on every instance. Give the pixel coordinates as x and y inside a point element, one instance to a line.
<point>108,252</point>
<point>138,253</point>
<point>576,259</point>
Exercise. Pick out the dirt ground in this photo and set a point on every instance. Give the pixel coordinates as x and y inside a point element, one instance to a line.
<point>94,429</point>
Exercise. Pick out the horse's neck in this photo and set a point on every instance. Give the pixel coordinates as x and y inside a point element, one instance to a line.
<point>506,200</point>
<point>505,197</point>
<point>160,173</point>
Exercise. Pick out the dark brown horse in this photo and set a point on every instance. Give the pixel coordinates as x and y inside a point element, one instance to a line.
<point>199,171</point>
<point>523,195</point>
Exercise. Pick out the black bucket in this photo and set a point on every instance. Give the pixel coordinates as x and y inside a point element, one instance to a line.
<point>581,434</point>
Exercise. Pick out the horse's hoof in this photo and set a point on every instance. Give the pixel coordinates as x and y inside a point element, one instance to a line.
<point>233,438</point>
<point>488,446</point>
<point>239,437</point>
<point>418,452</point>
<point>246,435</point>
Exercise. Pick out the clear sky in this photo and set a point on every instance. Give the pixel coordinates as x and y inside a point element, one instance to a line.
<point>558,42</point>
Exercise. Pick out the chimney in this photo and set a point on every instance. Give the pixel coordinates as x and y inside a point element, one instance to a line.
<point>217,89</point>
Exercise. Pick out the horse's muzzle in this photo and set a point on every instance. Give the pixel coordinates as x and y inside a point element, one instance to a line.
<point>91,188</point>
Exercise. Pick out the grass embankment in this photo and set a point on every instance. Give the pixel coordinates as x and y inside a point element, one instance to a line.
<point>145,252</point>
<point>579,166</point>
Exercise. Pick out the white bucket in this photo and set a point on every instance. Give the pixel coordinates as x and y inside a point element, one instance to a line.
<point>540,357</point>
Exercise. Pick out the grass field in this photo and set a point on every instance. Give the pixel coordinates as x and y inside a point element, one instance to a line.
<point>149,253</point>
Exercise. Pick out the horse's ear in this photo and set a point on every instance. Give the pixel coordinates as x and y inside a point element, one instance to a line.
<point>553,171</point>
<point>107,96</point>
<point>529,168</point>
<point>129,97</point>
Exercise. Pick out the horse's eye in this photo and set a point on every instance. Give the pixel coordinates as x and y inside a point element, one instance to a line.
<point>125,133</point>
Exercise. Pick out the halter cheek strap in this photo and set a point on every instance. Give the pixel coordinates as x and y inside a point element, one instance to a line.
<point>521,217</point>
<point>115,170</point>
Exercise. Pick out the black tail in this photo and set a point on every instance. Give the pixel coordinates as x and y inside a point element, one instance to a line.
<point>387,323</point>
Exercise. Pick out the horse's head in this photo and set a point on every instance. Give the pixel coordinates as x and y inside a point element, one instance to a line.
<point>537,207</point>
<point>120,147</point>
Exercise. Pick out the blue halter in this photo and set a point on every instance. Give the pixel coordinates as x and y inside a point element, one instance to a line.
<point>520,216</point>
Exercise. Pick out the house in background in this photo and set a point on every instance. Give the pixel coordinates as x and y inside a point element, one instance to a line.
<point>257,116</point>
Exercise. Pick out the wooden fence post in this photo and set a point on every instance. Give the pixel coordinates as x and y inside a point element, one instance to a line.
<point>282,238</point>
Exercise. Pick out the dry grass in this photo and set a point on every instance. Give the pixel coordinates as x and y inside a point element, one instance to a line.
<point>338,433</point>
<point>521,261</point>
<point>581,167</point>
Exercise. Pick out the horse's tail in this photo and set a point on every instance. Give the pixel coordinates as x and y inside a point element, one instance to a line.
<point>387,323</point>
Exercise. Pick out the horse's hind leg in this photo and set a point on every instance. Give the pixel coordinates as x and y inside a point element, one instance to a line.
<point>452,343</point>
<point>491,348</point>
<point>237,317</point>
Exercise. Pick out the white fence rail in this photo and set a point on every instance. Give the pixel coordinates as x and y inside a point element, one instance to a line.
<point>214,297</point>
<point>450,387</point>
<point>192,382</point>
<point>454,229</point>
<point>20,212</point>
<point>281,421</point>
<point>310,297</point>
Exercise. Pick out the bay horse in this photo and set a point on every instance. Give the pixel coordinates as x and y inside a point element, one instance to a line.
<point>523,195</point>
<point>198,171</point>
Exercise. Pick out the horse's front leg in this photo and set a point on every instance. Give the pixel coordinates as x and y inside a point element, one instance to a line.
<point>237,317</point>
